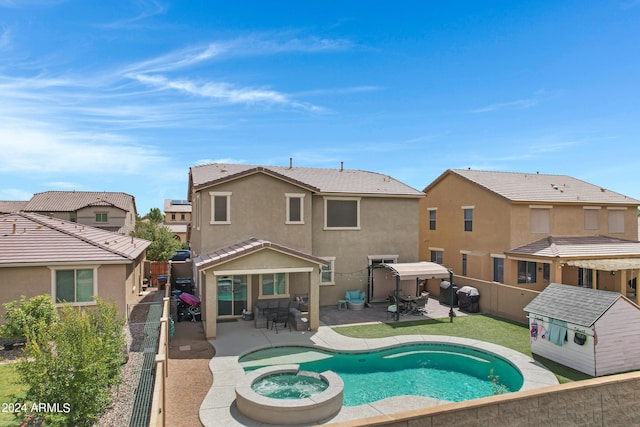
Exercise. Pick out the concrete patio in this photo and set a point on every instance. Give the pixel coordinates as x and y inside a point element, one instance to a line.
<point>237,338</point>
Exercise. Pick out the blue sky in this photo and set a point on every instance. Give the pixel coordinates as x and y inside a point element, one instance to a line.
<point>127,95</point>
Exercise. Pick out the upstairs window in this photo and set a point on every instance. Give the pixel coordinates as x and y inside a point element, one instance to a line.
<point>342,213</point>
<point>295,209</point>
<point>616,220</point>
<point>220,207</point>
<point>468,218</point>
<point>173,217</point>
<point>73,217</point>
<point>101,217</point>
<point>540,219</point>
<point>432,219</point>
<point>526,272</point>
<point>591,219</point>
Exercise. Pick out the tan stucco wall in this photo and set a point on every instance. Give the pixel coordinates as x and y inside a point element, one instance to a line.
<point>114,284</point>
<point>116,217</point>
<point>388,226</point>
<point>258,209</point>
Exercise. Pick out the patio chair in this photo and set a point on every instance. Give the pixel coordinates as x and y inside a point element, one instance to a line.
<point>280,316</point>
<point>421,305</point>
<point>355,299</point>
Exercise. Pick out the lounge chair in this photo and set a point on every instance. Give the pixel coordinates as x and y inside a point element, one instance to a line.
<point>355,299</point>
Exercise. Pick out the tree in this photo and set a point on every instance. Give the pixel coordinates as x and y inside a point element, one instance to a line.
<point>74,363</point>
<point>163,241</point>
<point>155,215</point>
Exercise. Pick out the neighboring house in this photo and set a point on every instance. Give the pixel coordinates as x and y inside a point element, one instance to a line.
<point>71,262</point>
<point>592,331</point>
<point>177,218</point>
<point>528,230</point>
<point>111,211</point>
<point>277,232</point>
<point>10,206</point>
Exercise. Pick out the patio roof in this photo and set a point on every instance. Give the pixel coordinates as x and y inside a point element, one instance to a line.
<point>607,264</point>
<point>417,270</point>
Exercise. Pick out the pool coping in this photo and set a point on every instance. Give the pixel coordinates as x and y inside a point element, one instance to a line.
<point>218,407</point>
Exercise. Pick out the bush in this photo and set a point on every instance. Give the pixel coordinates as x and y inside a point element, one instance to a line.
<point>28,315</point>
<point>74,363</point>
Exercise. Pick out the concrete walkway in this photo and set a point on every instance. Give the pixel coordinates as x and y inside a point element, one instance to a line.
<point>237,338</point>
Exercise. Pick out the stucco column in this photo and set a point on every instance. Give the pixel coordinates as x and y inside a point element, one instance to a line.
<point>557,268</point>
<point>211,308</point>
<point>314,299</point>
<point>623,281</point>
<point>594,274</point>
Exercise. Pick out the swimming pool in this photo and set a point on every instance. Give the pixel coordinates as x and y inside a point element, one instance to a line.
<point>441,371</point>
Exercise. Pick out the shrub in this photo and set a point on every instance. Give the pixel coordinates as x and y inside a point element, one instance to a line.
<point>28,315</point>
<point>74,363</point>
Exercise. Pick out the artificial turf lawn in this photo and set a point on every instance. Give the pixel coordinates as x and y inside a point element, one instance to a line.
<point>480,326</point>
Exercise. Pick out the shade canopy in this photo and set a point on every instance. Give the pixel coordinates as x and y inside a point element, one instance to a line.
<point>417,270</point>
<point>607,264</point>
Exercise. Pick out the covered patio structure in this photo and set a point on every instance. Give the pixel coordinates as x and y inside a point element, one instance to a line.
<point>418,272</point>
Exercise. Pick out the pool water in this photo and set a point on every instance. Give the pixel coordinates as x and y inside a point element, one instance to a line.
<point>289,386</point>
<point>440,371</point>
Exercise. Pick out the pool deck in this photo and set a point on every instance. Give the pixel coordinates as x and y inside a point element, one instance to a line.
<point>237,338</point>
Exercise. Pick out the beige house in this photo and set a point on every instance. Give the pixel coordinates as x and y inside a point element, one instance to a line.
<point>111,211</point>
<point>11,206</point>
<point>528,230</point>
<point>177,218</point>
<point>71,262</point>
<point>269,232</point>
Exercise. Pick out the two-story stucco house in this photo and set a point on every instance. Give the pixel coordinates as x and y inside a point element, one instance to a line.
<point>261,232</point>
<point>529,230</point>
<point>177,217</point>
<point>111,211</point>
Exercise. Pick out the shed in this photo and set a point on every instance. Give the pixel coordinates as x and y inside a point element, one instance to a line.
<point>592,331</point>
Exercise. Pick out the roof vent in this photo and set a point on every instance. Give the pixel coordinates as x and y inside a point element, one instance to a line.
<point>290,162</point>
<point>602,189</point>
<point>341,166</point>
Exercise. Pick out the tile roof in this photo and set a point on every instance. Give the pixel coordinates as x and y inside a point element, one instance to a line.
<point>223,255</point>
<point>579,246</point>
<point>572,304</point>
<point>68,201</point>
<point>535,187</point>
<point>10,206</point>
<point>28,238</point>
<point>319,180</point>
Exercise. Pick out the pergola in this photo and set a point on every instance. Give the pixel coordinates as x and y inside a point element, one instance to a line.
<point>421,270</point>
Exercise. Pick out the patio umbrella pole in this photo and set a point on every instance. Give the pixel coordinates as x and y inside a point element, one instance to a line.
<point>451,313</point>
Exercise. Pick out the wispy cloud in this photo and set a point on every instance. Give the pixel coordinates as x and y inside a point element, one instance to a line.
<point>5,38</point>
<point>148,9</point>
<point>29,3</point>
<point>511,105</point>
<point>226,160</point>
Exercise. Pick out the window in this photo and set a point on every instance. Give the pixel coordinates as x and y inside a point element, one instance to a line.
<point>546,272</point>
<point>540,219</point>
<point>616,220</point>
<point>73,217</point>
<point>327,273</point>
<point>220,208</point>
<point>432,219</point>
<point>437,256</point>
<point>382,259</point>
<point>498,270</point>
<point>464,264</point>
<point>173,217</point>
<point>76,286</point>
<point>526,272</point>
<point>342,214</point>
<point>468,218</point>
<point>182,217</point>
<point>295,209</point>
<point>273,284</point>
<point>101,217</point>
<point>585,277</point>
<point>591,219</point>
<point>196,207</point>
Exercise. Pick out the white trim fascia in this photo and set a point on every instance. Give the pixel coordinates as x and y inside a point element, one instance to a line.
<point>592,208</point>
<point>615,208</point>
<point>465,252</point>
<point>503,256</point>
<point>436,249</point>
<point>263,271</point>
<point>540,207</point>
<point>387,256</point>
<point>467,207</point>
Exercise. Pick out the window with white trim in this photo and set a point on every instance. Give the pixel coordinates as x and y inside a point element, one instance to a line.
<point>74,285</point>
<point>468,219</point>
<point>220,207</point>
<point>382,259</point>
<point>342,213</point>
<point>295,208</point>
<point>102,217</point>
<point>274,284</point>
<point>526,272</point>
<point>433,214</point>
<point>327,272</point>
<point>437,256</point>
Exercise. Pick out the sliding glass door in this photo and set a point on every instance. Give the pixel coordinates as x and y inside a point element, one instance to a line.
<point>232,295</point>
